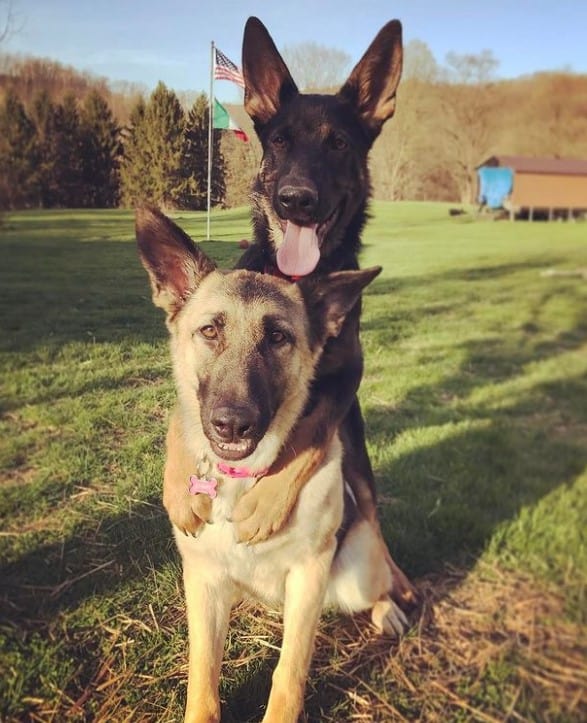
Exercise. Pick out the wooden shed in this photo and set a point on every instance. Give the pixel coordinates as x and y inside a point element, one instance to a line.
<point>547,185</point>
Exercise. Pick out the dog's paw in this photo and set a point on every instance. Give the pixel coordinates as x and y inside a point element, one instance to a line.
<point>258,515</point>
<point>403,592</point>
<point>388,617</point>
<point>190,515</point>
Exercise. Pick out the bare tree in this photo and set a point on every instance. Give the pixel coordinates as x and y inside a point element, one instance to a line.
<point>316,67</point>
<point>419,63</point>
<point>469,102</point>
<point>471,69</point>
<point>554,115</point>
<point>392,166</point>
<point>407,162</point>
<point>6,25</point>
<point>8,20</point>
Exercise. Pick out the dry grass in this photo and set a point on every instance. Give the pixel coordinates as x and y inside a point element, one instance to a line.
<point>488,628</point>
<point>487,646</point>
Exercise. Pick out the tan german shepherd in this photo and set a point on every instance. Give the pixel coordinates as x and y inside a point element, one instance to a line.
<point>245,347</point>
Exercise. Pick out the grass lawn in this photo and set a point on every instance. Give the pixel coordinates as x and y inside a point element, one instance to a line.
<point>475,401</point>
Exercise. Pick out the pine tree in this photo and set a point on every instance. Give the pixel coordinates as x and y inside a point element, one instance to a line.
<point>164,131</point>
<point>60,168</point>
<point>195,156</point>
<point>67,152</point>
<point>135,167</point>
<point>218,170</point>
<point>100,150</point>
<point>42,113</point>
<point>165,158</point>
<point>18,155</point>
<point>195,160</point>
<point>151,170</point>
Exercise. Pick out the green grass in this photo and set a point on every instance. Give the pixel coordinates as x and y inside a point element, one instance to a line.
<point>475,401</point>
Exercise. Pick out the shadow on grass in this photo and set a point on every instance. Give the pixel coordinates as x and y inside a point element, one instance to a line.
<point>100,383</point>
<point>474,468</point>
<point>57,291</point>
<point>449,497</point>
<point>93,559</point>
<point>473,274</point>
<point>408,300</point>
<point>476,464</point>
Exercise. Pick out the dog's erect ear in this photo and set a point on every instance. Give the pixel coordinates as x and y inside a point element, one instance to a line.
<point>268,83</point>
<point>330,298</point>
<point>372,85</point>
<point>173,261</point>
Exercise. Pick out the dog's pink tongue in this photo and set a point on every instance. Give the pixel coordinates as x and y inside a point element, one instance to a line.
<point>299,254</point>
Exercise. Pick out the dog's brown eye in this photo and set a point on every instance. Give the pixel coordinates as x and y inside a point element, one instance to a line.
<point>339,143</point>
<point>209,332</point>
<point>277,338</point>
<point>278,141</point>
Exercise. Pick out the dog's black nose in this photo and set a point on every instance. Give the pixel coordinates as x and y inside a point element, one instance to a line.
<point>298,202</point>
<point>233,423</point>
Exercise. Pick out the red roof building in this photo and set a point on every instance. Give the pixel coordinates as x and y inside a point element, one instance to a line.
<point>544,184</point>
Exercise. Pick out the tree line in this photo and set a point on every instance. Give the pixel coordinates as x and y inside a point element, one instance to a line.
<point>73,153</point>
<point>63,133</point>
<point>452,117</point>
<point>58,154</point>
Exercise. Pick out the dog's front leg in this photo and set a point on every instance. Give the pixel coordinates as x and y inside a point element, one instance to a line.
<point>305,588</point>
<point>187,512</point>
<point>265,508</point>
<point>208,610</point>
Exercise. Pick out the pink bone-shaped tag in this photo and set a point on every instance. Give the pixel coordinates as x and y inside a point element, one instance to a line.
<point>204,486</point>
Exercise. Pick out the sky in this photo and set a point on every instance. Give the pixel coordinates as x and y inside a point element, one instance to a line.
<point>145,41</point>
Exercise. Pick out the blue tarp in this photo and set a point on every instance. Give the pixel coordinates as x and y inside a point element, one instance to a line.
<point>495,184</point>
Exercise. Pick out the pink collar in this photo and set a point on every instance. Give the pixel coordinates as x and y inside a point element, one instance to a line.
<point>240,472</point>
<point>202,483</point>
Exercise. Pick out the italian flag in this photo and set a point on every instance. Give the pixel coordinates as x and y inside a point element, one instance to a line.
<point>224,122</point>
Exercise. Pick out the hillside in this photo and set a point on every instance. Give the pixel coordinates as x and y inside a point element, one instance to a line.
<point>441,131</point>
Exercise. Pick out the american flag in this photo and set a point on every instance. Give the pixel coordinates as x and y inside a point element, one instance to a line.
<point>225,69</point>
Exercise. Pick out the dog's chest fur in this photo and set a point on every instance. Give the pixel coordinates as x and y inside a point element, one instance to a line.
<point>260,570</point>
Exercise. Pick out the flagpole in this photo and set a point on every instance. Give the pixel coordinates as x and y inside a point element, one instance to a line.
<point>210,139</point>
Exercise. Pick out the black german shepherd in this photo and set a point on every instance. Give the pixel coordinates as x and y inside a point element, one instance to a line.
<point>311,193</point>
<point>309,207</point>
